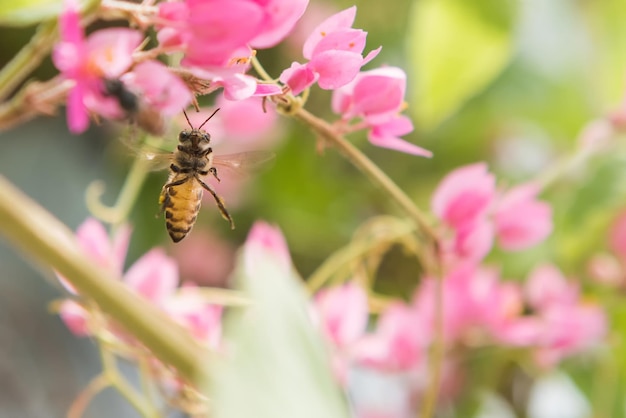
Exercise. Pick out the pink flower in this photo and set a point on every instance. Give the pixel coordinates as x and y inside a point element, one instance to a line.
<point>569,329</point>
<point>521,220</point>
<point>546,286</point>
<point>212,32</point>
<point>205,258</point>
<point>566,324</point>
<point>154,276</point>
<point>617,237</point>
<point>280,17</point>
<point>202,319</point>
<point>94,240</point>
<point>473,241</point>
<point>245,123</point>
<point>334,50</point>
<point>75,318</point>
<point>158,87</point>
<point>464,196</point>
<point>265,243</point>
<point>343,313</point>
<point>107,53</point>
<point>376,97</point>
<point>399,343</point>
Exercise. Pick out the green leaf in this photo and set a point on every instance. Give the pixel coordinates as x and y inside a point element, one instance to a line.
<point>277,364</point>
<point>28,12</point>
<point>456,48</point>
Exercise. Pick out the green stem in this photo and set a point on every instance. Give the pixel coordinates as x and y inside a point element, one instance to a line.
<point>378,177</point>
<point>39,235</point>
<point>371,170</point>
<point>29,57</point>
<point>126,199</point>
<point>353,251</point>
<point>116,380</point>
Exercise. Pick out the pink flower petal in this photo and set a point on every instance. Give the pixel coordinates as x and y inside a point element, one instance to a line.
<point>343,312</point>
<point>347,39</point>
<point>245,121</point>
<point>154,276</point>
<point>521,220</point>
<point>77,116</point>
<point>280,19</point>
<point>266,241</point>
<point>335,68</point>
<point>547,286</point>
<point>464,195</point>
<point>298,77</point>
<point>386,135</point>
<point>203,320</point>
<point>371,55</point>
<point>75,317</point>
<point>216,30</point>
<point>94,240</point>
<point>341,20</point>
<point>110,50</point>
<point>379,94</point>
<point>474,241</point>
<point>617,237</point>
<point>161,89</point>
<point>264,89</point>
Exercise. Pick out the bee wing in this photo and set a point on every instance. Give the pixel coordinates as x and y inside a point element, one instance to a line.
<point>244,163</point>
<point>154,157</point>
<point>155,160</point>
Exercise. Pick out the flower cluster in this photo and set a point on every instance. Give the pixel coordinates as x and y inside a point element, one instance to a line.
<point>546,315</point>
<point>154,276</point>
<point>474,213</point>
<point>112,76</point>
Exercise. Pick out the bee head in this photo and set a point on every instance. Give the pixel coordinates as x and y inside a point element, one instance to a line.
<point>195,139</point>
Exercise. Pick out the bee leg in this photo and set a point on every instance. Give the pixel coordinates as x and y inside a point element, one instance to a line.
<point>213,171</point>
<point>164,196</point>
<point>219,201</point>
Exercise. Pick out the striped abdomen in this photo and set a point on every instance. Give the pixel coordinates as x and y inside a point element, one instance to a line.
<point>181,203</point>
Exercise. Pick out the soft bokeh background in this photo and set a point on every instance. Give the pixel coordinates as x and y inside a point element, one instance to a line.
<point>511,83</point>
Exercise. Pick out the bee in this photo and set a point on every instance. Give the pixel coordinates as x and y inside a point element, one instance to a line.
<point>181,196</point>
<point>133,106</point>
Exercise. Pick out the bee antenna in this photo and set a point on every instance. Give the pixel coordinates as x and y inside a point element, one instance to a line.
<point>188,121</point>
<point>208,119</point>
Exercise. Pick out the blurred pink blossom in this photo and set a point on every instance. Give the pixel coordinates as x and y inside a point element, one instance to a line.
<point>158,87</point>
<point>244,123</point>
<point>568,324</point>
<point>266,243</point>
<point>343,313</point>
<point>334,50</point>
<point>520,219</point>
<point>204,258</point>
<point>280,17</point>
<point>153,276</point>
<point>202,319</point>
<point>606,269</point>
<point>75,318</point>
<point>108,54</point>
<point>399,343</point>
<point>617,237</point>
<point>465,195</point>
<point>546,286</point>
<point>94,240</point>
<point>466,200</point>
